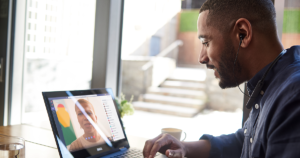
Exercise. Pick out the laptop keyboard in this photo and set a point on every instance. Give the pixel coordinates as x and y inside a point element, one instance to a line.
<point>131,153</point>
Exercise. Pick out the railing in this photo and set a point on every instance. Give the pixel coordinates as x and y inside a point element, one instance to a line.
<point>166,52</point>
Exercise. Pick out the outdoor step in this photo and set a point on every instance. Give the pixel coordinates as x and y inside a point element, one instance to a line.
<point>177,101</point>
<point>176,92</point>
<point>183,85</point>
<point>188,74</point>
<point>165,109</point>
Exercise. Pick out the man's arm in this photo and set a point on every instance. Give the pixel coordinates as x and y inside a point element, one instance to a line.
<point>209,146</point>
<point>173,148</point>
<point>284,128</point>
<point>197,149</point>
<point>226,145</point>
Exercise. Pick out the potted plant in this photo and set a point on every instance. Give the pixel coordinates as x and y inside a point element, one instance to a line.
<point>125,107</point>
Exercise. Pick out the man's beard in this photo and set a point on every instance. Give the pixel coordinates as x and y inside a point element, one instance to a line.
<point>227,70</point>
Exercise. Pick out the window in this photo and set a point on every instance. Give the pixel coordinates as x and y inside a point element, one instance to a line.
<point>56,66</point>
<point>148,48</point>
<point>155,43</point>
<point>291,21</point>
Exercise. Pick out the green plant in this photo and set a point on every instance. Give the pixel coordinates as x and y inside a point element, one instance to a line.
<point>125,107</point>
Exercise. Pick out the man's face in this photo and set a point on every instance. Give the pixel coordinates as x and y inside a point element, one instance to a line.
<point>83,121</point>
<point>217,52</point>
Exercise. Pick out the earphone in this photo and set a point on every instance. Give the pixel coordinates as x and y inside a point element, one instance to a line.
<point>242,36</point>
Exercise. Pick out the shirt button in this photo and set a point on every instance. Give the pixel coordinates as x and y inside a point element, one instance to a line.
<point>245,131</point>
<point>262,92</point>
<point>256,106</point>
<point>250,140</point>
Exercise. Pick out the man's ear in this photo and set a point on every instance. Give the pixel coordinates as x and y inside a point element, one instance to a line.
<point>243,28</point>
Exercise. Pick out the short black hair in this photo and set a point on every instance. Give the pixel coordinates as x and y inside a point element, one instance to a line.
<point>224,13</point>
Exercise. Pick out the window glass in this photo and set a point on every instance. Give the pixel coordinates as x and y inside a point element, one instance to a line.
<point>291,23</point>
<point>160,68</point>
<point>59,52</point>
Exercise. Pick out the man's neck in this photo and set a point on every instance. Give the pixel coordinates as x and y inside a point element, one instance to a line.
<point>94,136</point>
<point>263,53</point>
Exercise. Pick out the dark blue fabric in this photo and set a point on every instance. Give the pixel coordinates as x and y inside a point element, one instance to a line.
<point>275,125</point>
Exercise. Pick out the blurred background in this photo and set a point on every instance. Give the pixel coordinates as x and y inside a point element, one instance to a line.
<point>157,56</point>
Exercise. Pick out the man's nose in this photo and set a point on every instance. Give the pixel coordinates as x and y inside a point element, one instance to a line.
<point>203,58</point>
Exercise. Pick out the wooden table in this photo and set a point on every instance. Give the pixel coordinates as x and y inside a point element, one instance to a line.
<point>40,142</point>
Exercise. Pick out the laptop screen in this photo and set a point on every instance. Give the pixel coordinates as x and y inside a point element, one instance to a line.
<point>86,123</point>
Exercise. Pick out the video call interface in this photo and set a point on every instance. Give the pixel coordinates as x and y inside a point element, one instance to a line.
<point>86,121</point>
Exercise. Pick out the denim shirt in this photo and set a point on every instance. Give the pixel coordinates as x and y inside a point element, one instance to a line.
<point>273,127</point>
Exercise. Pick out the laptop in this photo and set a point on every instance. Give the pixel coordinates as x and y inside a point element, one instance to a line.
<point>86,123</point>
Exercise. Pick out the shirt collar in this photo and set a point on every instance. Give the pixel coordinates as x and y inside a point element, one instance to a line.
<point>254,80</point>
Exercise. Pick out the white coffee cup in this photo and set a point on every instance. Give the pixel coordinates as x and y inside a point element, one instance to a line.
<point>174,132</point>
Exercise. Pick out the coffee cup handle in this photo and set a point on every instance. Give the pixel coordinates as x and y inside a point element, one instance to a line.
<point>184,136</point>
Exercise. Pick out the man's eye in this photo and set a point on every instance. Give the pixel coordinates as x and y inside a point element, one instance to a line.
<point>205,43</point>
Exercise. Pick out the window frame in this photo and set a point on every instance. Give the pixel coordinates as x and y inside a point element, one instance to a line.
<point>106,58</point>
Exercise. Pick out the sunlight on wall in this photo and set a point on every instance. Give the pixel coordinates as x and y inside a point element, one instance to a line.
<point>143,18</point>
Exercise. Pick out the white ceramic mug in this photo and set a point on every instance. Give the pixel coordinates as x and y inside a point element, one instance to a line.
<point>174,132</point>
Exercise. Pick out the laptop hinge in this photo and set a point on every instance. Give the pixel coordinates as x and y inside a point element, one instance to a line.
<point>123,149</point>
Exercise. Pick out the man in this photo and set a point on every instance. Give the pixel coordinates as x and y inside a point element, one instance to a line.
<point>240,42</point>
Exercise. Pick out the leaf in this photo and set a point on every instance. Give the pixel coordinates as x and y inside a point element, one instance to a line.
<point>123,102</point>
<point>125,107</point>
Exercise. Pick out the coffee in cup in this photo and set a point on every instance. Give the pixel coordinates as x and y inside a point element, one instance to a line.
<point>174,132</point>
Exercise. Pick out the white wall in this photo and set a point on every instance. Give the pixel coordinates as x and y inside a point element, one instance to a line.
<point>142,19</point>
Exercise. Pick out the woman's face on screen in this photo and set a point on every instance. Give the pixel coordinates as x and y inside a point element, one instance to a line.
<point>83,121</point>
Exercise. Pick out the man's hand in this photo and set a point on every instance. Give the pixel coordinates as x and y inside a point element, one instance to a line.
<point>165,144</point>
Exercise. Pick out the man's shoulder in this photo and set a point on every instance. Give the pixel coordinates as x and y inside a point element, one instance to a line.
<point>288,82</point>
<point>291,75</point>
<point>285,82</point>
<point>76,144</point>
<point>288,77</point>
<point>295,50</point>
